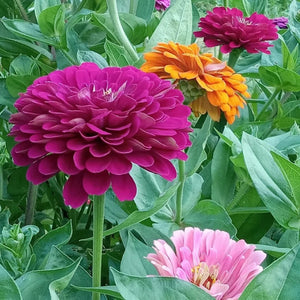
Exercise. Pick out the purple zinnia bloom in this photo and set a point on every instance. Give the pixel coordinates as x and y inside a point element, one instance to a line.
<point>230,29</point>
<point>92,124</point>
<point>162,4</point>
<point>281,22</point>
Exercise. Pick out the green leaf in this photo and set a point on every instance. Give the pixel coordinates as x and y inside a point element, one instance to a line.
<point>17,84</point>
<point>277,281</point>
<point>134,261</point>
<point>292,174</point>
<point>141,288</point>
<point>46,282</point>
<point>39,6</point>
<point>222,174</point>
<point>24,65</point>
<point>52,23</point>
<point>294,23</point>
<point>4,218</point>
<point>139,216</point>
<point>28,31</point>
<point>107,290</point>
<point>175,25</point>
<point>58,236</point>
<point>118,56</point>
<point>196,152</point>
<point>269,181</point>
<point>209,214</point>
<point>144,9</point>
<point>58,259</point>
<point>91,56</point>
<point>280,78</point>
<point>9,289</point>
<point>252,6</point>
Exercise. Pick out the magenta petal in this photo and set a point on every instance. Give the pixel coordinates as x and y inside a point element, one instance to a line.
<point>123,186</point>
<point>35,176</point>
<point>119,165</point>
<point>73,192</point>
<point>96,184</point>
<point>48,165</point>
<point>66,164</point>
<point>98,164</point>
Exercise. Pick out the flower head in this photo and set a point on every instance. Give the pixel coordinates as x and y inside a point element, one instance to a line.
<point>209,259</point>
<point>230,29</point>
<point>92,124</point>
<point>209,85</point>
<point>162,4</point>
<point>281,22</point>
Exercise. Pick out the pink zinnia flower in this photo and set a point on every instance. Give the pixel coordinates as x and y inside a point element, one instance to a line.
<point>209,259</point>
<point>92,124</point>
<point>162,4</point>
<point>230,29</point>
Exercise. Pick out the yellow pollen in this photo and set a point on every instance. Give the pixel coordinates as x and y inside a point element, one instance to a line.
<point>107,92</point>
<point>203,275</point>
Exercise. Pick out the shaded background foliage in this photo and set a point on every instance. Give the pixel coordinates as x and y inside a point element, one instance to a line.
<point>242,178</point>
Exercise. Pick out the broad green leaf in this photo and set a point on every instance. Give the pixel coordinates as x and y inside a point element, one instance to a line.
<point>223,175</point>
<point>252,6</point>
<point>175,25</point>
<point>280,78</point>
<point>269,181</point>
<point>107,290</point>
<point>272,250</point>
<point>196,152</point>
<point>58,236</point>
<point>138,216</point>
<point>6,98</point>
<point>91,56</point>
<point>209,214</point>
<point>277,281</point>
<point>17,84</point>
<point>294,23</point>
<point>144,9</point>
<point>58,259</point>
<point>52,23</point>
<point>134,261</point>
<point>141,288</point>
<point>44,284</point>
<point>24,65</point>
<point>117,55</point>
<point>8,287</point>
<point>28,31</point>
<point>39,6</point>
<point>292,175</point>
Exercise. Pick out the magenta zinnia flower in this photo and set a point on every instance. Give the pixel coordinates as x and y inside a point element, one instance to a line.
<point>209,259</point>
<point>162,4</point>
<point>92,124</point>
<point>230,29</point>
<point>281,22</point>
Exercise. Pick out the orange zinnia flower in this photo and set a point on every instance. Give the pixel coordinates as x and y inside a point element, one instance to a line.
<point>219,87</point>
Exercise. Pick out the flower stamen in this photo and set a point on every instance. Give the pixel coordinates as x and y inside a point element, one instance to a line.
<point>203,275</point>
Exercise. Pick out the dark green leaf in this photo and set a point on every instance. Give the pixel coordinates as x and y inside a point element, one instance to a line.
<point>277,281</point>
<point>17,84</point>
<point>209,214</point>
<point>280,78</point>
<point>39,6</point>
<point>141,288</point>
<point>175,25</point>
<point>9,289</point>
<point>252,6</point>
<point>269,181</point>
<point>91,56</point>
<point>144,9</point>
<point>58,236</point>
<point>118,56</point>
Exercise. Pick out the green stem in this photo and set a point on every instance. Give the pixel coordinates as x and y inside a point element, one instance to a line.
<point>1,182</point>
<point>98,223</point>
<point>238,197</point>
<point>68,57</point>
<point>179,194</point>
<point>30,204</point>
<point>225,3</point>
<point>268,103</point>
<point>132,7</point>
<point>22,10</point>
<point>233,56</point>
<point>249,210</point>
<point>123,40</point>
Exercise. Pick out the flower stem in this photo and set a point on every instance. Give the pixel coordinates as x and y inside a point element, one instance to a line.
<point>180,192</point>
<point>233,56</point>
<point>225,3</point>
<point>98,223</point>
<point>123,40</point>
<point>22,10</point>
<point>30,204</point>
<point>268,103</point>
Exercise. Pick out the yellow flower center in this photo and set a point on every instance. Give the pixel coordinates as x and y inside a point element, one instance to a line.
<point>203,275</point>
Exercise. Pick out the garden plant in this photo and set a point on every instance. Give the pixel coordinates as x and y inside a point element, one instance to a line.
<point>149,149</point>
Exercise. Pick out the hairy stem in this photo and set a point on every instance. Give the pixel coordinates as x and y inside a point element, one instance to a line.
<point>179,194</point>
<point>30,204</point>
